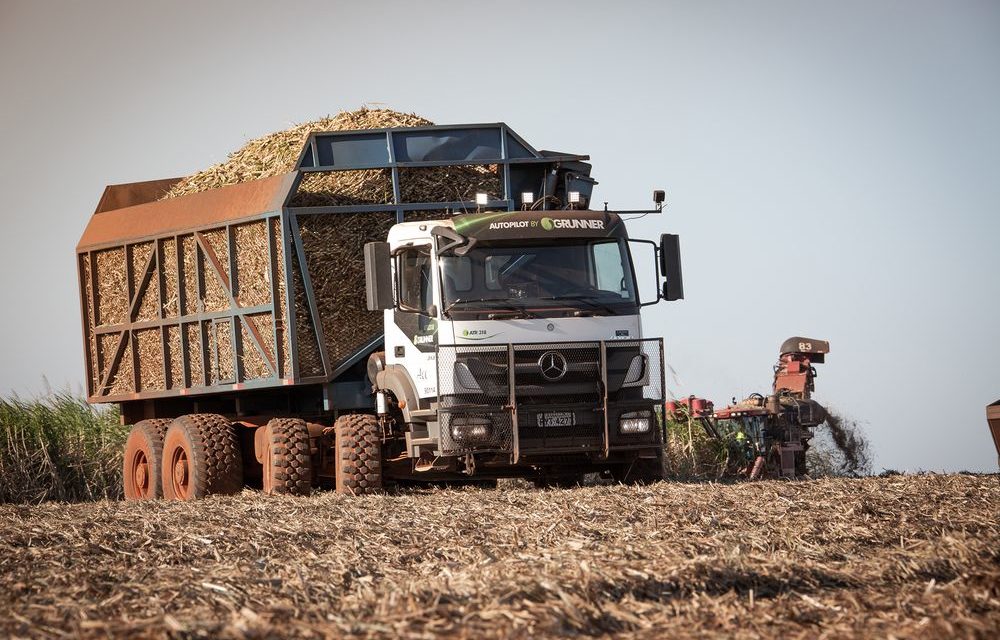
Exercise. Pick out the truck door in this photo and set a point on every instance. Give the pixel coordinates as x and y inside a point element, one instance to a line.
<point>415,317</point>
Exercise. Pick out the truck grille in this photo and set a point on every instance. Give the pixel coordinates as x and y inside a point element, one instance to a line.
<point>486,382</point>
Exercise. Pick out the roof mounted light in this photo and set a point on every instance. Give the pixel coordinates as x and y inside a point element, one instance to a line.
<point>659,197</point>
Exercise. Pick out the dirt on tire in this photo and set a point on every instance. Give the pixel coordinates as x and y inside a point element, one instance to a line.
<point>141,471</point>
<point>359,454</point>
<point>208,446</point>
<point>288,463</point>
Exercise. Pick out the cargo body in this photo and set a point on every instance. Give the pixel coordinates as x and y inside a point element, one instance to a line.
<point>186,301</point>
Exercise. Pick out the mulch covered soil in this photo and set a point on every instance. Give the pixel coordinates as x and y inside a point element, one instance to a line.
<point>899,556</point>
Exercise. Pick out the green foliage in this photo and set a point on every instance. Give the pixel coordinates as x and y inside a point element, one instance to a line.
<point>690,452</point>
<point>59,448</point>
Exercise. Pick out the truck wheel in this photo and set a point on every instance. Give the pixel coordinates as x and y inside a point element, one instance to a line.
<point>143,455</point>
<point>358,454</point>
<point>201,456</point>
<point>287,458</point>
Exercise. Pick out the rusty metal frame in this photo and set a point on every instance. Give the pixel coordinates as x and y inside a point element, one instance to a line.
<point>993,420</point>
<point>105,365</point>
<point>87,314</point>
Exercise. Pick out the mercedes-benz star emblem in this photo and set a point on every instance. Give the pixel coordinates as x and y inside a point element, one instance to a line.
<point>553,365</point>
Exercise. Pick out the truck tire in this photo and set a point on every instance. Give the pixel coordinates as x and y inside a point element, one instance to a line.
<point>287,457</point>
<point>358,454</point>
<point>201,457</point>
<point>143,456</point>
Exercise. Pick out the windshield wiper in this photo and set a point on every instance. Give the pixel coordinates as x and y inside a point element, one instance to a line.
<point>503,306</point>
<point>585,298</point>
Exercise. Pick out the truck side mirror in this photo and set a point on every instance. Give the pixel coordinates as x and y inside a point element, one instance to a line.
<point>378,276</point>
<point>670,266</point>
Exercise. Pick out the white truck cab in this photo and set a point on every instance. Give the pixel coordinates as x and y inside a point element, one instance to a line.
<point>514,338</point>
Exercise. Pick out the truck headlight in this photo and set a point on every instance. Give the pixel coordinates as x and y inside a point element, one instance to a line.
<point>470,429</point>
<point>635,422</point>
<point>636,374</point>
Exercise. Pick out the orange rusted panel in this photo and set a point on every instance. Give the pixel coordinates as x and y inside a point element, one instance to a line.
<point>993,418</point>
<point>119,196</point>
<point>184,213</point>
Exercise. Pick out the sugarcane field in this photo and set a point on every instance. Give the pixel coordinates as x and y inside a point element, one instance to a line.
<point>307,364</point>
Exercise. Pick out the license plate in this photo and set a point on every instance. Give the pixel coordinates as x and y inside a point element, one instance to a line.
<point>559,419</point>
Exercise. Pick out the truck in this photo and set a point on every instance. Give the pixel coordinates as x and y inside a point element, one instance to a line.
<point>254,336</point>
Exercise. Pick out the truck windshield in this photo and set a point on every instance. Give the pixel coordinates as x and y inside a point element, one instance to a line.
<point>592,276</point>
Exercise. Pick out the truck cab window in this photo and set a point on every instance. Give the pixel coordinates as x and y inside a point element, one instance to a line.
<point>457,275</point>
<point>414,279</point>
<point>610,273</point>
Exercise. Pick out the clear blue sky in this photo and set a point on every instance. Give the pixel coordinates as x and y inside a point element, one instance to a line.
<point>833,169</point>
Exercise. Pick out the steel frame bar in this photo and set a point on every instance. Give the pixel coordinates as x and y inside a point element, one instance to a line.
<point>361,166</point>
<point>161,285</point>
<point>272,265</point>
<point>515,427</point>
<point>465,205</point>
<point>286,255</point>
<point>94,300</point>
<point>317,325</point>
<point>87,313</point>
<point>603,366</point>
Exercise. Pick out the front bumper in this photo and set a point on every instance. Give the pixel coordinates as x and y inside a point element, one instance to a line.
<point>497,399</point>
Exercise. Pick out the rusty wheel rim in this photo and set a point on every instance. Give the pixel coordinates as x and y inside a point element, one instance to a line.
<point>268,468</point>
<point>180,474</point>
<point>139,474</point>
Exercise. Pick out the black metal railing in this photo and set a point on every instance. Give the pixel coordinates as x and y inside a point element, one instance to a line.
<point>547,397</point>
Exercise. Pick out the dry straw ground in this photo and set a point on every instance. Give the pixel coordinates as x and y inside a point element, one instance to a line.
<point>900,556</point>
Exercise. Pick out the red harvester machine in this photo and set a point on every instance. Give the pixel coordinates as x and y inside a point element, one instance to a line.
<point>775,429</point>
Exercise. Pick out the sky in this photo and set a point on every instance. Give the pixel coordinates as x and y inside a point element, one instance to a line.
<point>833,169</point>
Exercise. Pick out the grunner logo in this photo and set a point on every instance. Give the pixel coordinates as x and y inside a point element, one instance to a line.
<point>571,223</point>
